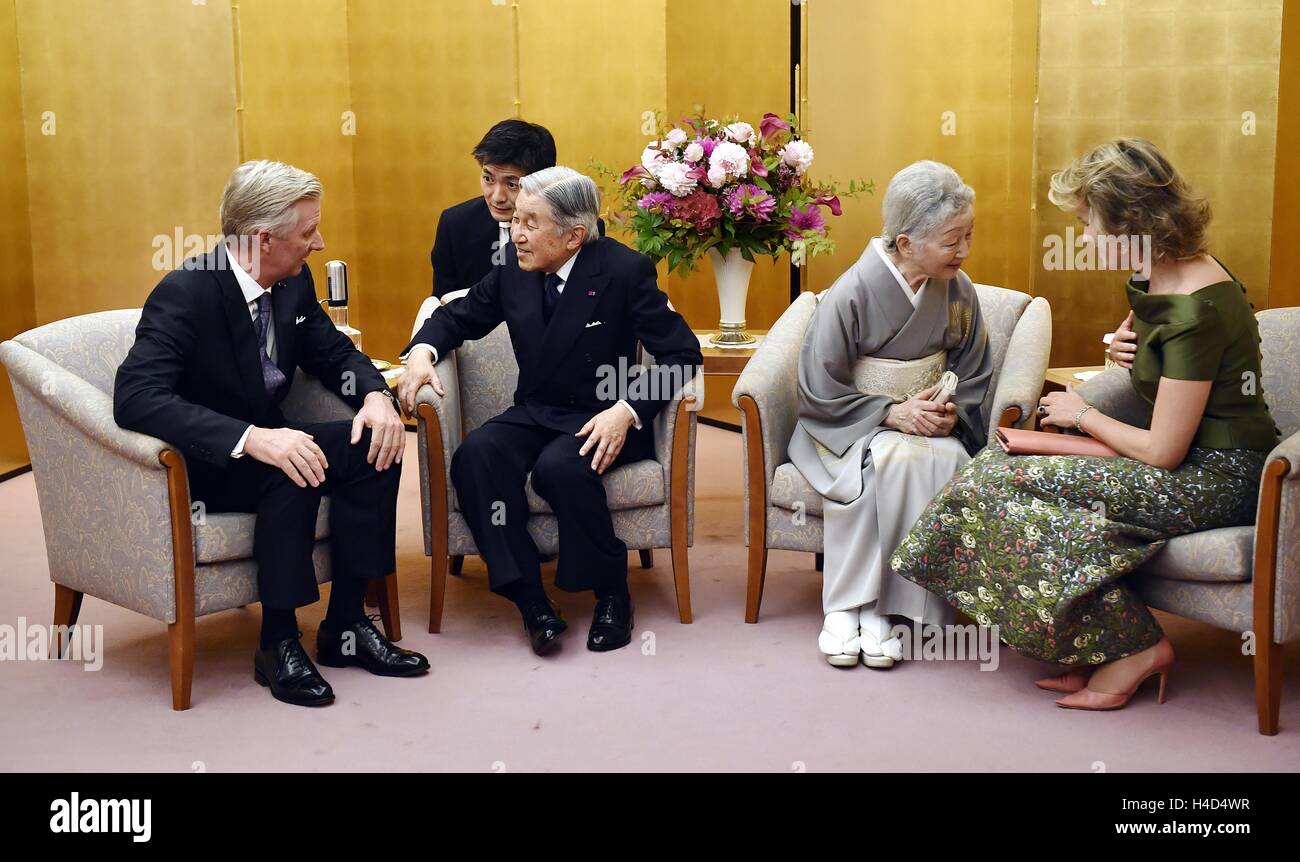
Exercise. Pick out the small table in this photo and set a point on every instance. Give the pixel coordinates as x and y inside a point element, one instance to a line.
<point>1058,378</point>
<point>724,364</point>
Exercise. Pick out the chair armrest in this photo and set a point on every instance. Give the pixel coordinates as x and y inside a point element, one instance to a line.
<point>1112,393</point>
<point>1024,367</point>
<point>438,433</point>
<point>309,401</point>
<point>1277,546</point>
<point>771,379</point>
<point>675,446</point>
<point>79,404</point>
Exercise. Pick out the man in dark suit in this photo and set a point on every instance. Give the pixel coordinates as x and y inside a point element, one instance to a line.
<point>215,352</point>
<point>472,236</point>
<point>576,306</point>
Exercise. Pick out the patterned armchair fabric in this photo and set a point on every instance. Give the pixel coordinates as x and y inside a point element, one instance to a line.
<point>104,492</point>
<point>479,379</point>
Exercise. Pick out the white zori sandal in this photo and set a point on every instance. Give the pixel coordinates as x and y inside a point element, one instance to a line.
<point>838,640</point>
<point>879,649</point>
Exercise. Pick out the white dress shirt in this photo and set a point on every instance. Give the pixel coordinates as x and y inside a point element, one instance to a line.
<point>252,293</point>
<point>563,273</point>
<point>913,295</point>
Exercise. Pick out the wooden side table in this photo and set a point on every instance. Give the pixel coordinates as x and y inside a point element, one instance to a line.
<point>722,365</point>
<point>1058,378</point>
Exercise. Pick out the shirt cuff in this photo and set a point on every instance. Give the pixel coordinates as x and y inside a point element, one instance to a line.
<point>238,451</point>
<point>422,346</point>
<point>636,420</point>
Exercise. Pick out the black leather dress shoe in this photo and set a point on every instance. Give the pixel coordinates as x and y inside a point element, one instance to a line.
<point>611,624</point>
<point>363,645</point>
<point>285,669</point>
<point>544,624</point>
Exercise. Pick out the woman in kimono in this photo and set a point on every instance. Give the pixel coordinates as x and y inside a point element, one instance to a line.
<point>869,438</point>
<point>1039,546</point>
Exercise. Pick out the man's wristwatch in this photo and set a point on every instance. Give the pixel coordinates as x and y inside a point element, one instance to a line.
<point>392,399</point>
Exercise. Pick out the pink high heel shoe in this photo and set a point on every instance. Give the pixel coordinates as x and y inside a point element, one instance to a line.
<point>1100,701</point>
<point>1066,683</point>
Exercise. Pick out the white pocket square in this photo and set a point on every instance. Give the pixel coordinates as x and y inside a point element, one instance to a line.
<point>594,323</point>
<point>298,320</point>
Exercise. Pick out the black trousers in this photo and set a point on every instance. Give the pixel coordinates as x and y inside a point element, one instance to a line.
<point>363,515</point>
<point>490,469</point>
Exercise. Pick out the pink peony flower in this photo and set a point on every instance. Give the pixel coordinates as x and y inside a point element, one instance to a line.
<point>741,133</point>
<point>731,158</point>
<point>693,152</point>
<point>675,138</point>
<point>798,155</point>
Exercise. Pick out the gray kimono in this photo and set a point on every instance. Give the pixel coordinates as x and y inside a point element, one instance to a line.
<point>868,509</point>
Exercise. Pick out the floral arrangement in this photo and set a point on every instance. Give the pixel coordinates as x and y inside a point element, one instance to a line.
<point>721,184</point>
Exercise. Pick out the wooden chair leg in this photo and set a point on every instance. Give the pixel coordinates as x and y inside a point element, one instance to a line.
<point>819,561</point>
<point>757,575</point>
<point>682,576</point>
<point>372,595</point>
<point>1268,685</point>
<point>67,607</point>
<point>437,589</point>
<point>180,647</point>
<point>385,589</point>
<point>457,564</point>
<point>647,559</point>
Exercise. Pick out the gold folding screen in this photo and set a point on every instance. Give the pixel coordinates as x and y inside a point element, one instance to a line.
<point>1200,80</point>
<point>17,299</point>
<point>951,80</point>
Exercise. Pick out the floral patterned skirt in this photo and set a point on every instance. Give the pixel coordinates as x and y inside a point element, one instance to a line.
<point>1039,545</point>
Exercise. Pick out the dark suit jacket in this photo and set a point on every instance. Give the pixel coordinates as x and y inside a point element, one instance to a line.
<point>193,378</point>
<point>463,245</point>
<point>561,366</point>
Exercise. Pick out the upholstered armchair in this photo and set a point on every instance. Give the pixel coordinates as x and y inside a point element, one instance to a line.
<point>652,501</point>
<point>782,511</point>
<point>115,505</point>
<point>1244,579</point>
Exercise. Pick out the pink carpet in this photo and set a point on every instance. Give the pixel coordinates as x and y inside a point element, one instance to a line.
<point>714,695</point>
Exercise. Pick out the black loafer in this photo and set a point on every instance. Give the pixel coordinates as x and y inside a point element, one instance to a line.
<point>544,624</point>
<point>363,645</point>
<point>285,668</point>
<point>611,624</point>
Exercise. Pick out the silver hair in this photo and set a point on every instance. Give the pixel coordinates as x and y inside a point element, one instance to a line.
<point>920,198</point>
<point>260,196</point>
<point>574,198</point>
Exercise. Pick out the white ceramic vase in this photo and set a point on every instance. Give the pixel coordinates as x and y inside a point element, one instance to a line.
<point>731,272</point>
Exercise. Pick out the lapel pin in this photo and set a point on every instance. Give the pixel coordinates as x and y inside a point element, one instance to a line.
<point>591,293</point>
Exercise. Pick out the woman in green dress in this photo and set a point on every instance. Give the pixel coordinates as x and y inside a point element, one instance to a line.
<point>1039,545</point>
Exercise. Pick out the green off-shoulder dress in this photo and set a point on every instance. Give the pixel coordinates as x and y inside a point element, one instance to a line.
<point>1039,545</point>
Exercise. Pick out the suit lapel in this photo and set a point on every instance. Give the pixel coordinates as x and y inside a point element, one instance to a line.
<point>284,314</point>
<point>582,291</point>
<point>241,328</point>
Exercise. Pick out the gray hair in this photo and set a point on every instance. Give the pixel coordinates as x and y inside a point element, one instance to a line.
<point>260,196</point>
<point>920,198</point>
<point>574,198</point>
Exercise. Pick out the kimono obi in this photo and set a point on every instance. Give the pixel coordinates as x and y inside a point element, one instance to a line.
<point>898,379</point>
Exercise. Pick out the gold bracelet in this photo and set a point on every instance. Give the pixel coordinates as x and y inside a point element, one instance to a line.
<point>1078,417</point>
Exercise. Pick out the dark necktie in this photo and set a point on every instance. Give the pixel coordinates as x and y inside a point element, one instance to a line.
<point>272,376</point>
<point>551,295</point>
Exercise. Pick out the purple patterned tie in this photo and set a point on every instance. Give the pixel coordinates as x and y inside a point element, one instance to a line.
<point>272,376</point>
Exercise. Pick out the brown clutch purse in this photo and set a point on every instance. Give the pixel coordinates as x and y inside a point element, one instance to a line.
<point>1015,441</point>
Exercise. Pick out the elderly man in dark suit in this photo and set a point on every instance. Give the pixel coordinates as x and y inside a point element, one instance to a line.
<point>214,355</point>
<point>576,305</point>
